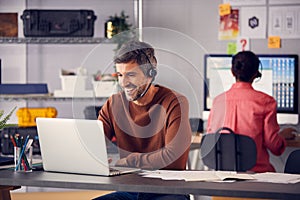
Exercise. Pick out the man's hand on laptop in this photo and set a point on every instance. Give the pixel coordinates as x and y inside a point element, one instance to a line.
<point>122,163</point>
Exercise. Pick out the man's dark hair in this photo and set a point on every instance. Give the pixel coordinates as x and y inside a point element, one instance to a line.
<point>245,66</point>
<point>135,51</point>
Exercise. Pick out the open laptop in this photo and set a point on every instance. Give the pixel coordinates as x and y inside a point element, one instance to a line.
<point>75,146</point>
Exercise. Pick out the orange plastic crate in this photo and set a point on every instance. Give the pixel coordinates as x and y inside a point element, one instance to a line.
<point>27,116</point>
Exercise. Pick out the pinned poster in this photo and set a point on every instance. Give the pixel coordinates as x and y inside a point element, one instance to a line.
<point>254,22</point>
<point>274,42</point>
<point>249,2</point>
<point>284,21</point>
<point>224,9</point>
<point>242,44</point>
<point>229,26</point>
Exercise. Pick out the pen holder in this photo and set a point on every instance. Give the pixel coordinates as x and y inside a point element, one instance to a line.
<point>23,159</point>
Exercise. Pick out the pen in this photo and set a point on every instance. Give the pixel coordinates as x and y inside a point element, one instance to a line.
<point>17,140</point>
<point>24,165</point>
<point>13,141</point>
<point>22,152</point>
<point>28,145</point>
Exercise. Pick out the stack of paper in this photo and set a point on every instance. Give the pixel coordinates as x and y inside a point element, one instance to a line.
<point>272,177</point>
<point>217,176</point>
<point>197,175</point>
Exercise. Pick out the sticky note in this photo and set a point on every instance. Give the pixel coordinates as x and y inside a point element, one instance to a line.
<point>231,48</point>
<point>274,42</point>
<point>224,9</point>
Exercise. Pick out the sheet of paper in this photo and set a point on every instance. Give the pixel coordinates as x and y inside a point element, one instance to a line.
<point>217,176</point>
<point>253,22</point>
<point>285,2</point>
<point>196,175</point>
<point>277,177</point>
<point>284,21</point>
<point>229,26</point>
<point>224,175</point>
<point>245,2</point>
<point>242,44</point>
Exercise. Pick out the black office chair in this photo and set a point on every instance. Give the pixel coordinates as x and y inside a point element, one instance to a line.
<point>91,112</point>
<point>292,165</point>
<point>228,151</point>
<point>197,128</point>
<point>196,124</point>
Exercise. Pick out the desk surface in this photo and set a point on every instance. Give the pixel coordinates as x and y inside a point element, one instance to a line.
<point>136,183</point>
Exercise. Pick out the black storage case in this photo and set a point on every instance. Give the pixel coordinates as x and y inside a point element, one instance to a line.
<point>58,23</point>
<point>7,147</point>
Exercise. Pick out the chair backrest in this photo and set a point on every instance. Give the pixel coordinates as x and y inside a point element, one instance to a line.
<point>228,151</point>
<point>91,112</point>
<point>292,165</point>
<point>196,124</point>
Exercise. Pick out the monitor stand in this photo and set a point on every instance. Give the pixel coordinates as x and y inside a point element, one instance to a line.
<point>287,118</point>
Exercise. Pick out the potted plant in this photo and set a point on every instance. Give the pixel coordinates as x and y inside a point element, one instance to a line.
<point>6,118</point>
<point>118,24</point>
<point>119,31</point>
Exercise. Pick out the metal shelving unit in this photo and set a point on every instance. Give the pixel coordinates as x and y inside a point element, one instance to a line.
<point>44,97</point>
<point>54,40</point>
<point>35,41</point>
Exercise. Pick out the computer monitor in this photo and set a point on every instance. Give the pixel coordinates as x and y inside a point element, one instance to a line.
<point>279,79</point>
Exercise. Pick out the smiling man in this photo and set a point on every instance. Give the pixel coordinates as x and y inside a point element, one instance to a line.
<point>150,122</point>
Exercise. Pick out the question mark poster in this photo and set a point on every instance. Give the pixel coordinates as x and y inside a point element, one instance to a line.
<point>253,22</point>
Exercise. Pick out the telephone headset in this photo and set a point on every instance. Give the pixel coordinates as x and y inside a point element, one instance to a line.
<point>259,71</point>
<point>151,72</point>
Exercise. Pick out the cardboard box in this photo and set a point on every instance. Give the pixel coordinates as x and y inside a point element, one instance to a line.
<point>8,24</point>
<point>105,88</point>
<point>73,86</point>
<point>71,83</point>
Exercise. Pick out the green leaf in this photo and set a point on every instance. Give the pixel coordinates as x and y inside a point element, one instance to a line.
<point>6,118</point>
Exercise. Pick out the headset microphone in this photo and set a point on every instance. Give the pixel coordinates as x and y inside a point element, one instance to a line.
<point>150,73</point>
<point>143,93</point>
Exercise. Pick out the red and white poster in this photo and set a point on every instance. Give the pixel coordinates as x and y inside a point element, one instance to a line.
<point>229,26</point>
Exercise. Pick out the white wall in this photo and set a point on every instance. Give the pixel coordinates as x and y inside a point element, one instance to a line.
<point>33,63</point>
<point>13,57</point>
<point>182,31</point>
<point>198,19</point>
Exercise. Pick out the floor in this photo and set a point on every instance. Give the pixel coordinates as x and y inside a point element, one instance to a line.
<point>65,195</point>
<point>35,193</point>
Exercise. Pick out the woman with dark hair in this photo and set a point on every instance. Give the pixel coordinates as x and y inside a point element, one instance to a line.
<point>250,112</point>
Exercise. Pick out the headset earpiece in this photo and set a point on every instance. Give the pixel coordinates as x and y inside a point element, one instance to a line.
<point>258,75</point>
<point>260,70</point>
<point>152,72</point>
